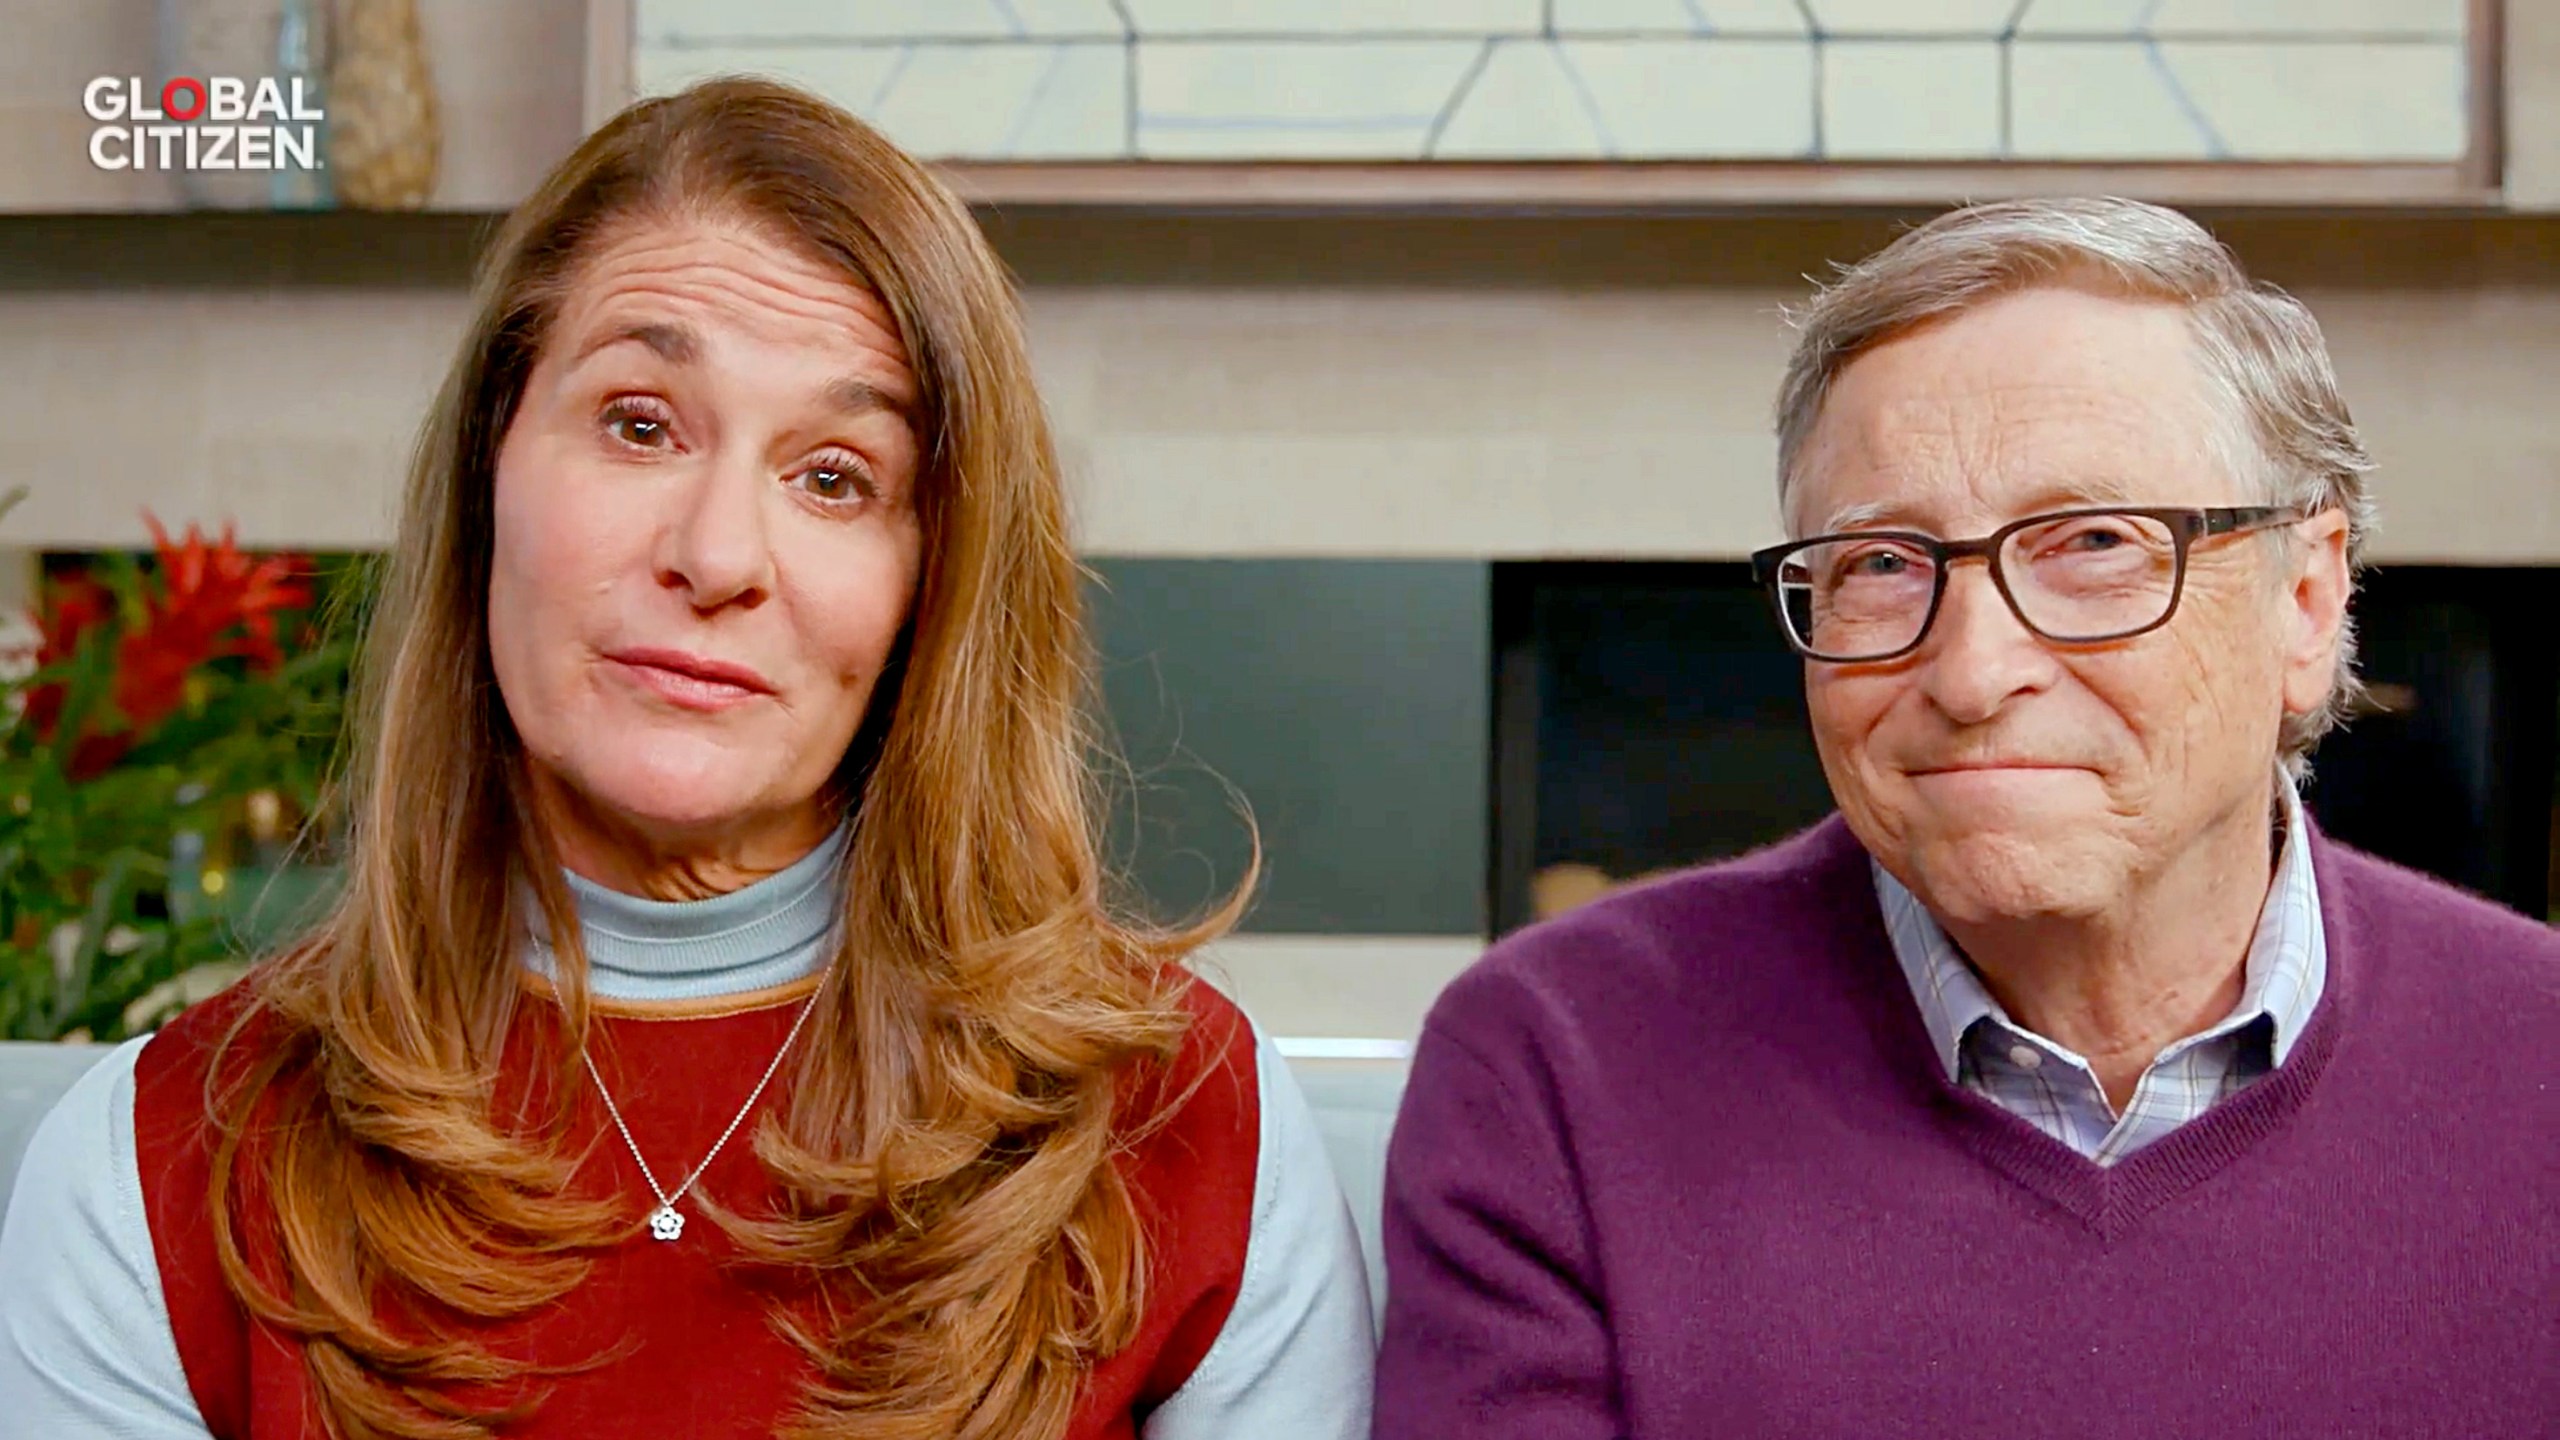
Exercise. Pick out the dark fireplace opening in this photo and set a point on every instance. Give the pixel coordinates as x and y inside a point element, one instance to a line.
<point>1648,716</point>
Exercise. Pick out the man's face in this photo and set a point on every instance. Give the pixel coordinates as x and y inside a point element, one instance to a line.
<point>2002,776</point>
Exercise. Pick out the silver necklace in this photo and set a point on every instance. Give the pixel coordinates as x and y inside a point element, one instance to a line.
<point>666,1222</point>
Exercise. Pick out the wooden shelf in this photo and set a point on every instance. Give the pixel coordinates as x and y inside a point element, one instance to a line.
<point>237,249</point>
<point>1738,186</point>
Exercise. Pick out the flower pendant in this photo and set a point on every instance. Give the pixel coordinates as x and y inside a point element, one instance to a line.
<point>665,1223</point>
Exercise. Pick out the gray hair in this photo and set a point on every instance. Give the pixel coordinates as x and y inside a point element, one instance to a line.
<point>2289,428</point>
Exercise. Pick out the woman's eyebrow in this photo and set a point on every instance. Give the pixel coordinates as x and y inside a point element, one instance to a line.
<point>680,344</point>
<point>672,341</point>
<point>677,343</point>
<point>854,398</point>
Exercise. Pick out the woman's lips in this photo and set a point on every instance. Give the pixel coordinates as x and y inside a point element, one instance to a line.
<point>691,682</point>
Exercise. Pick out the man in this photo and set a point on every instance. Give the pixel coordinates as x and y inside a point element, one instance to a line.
<point>2067,1081</point>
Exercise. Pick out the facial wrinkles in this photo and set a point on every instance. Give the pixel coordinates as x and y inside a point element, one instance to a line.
<point>1968,411</point>
<point>1962,462</point>
<point>725,291</point>
<point>775,285</point>
<point>2049,402</point>
<point>769,299</point>
<point>750,303</point>
<point>2220,585</point>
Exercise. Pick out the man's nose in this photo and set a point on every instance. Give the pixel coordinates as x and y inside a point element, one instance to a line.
<point>1979,653</point>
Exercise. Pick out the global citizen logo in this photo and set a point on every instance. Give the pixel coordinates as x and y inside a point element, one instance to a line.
<point>220,123</point>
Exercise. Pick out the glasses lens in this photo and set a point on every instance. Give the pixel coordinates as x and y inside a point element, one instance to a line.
<point>2089,577</point>
<point>1858,597</point>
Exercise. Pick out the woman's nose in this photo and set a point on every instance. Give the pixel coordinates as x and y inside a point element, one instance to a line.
<point>715,544</point>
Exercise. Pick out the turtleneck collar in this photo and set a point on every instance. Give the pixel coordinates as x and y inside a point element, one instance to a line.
<point>761,935</point>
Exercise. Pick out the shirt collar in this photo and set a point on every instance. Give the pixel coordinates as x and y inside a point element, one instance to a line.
<point>2286,969</point>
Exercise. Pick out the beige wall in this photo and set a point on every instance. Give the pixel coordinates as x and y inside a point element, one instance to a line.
<point>2532,93</point>
<point>1375,386</point>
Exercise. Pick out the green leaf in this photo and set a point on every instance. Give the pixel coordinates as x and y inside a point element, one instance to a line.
<point>106,901</point>
<point>88,681</point>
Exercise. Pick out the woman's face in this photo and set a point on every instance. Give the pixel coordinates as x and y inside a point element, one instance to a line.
<point>706,546</point>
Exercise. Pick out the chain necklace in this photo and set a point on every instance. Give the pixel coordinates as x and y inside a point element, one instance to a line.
<point>665,1222</point>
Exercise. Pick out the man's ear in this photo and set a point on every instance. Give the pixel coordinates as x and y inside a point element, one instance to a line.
<point>2315,609</point>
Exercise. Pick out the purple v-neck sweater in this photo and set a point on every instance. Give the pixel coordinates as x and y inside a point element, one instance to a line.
<point>1680,1164</point>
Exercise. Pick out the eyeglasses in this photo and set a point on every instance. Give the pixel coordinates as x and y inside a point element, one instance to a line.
<point>2073,577</point>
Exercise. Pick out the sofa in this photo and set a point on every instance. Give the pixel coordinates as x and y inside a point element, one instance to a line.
<point>1354,1103</point>
<point>31,1078</point>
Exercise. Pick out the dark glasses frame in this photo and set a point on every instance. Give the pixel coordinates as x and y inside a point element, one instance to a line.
<point>2186,525</point>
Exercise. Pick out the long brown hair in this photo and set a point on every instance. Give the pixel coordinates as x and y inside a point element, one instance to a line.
<point>950,1134</point>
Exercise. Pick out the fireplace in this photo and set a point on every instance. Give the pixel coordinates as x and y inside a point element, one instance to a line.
<point>1648,716</point>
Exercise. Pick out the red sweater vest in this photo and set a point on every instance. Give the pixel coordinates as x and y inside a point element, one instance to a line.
<point>699,1355</point>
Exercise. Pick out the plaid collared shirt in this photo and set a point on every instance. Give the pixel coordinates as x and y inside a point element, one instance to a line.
<point>2054,1089</point>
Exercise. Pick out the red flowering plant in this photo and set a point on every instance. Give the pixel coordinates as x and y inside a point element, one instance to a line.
<point>166,717</point>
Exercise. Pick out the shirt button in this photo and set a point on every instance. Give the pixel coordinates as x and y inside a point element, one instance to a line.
<point>2025,1057</point>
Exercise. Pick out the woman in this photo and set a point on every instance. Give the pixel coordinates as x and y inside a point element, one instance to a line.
<point>723,1032</point>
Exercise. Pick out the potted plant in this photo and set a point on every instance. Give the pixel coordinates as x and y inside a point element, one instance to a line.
<point>167,724</point>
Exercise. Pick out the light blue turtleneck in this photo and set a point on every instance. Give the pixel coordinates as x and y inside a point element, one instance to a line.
<point>769,933</point>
